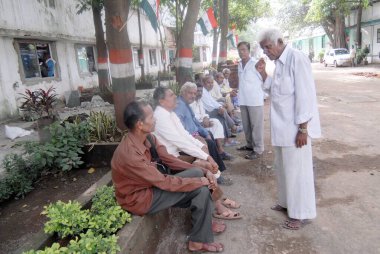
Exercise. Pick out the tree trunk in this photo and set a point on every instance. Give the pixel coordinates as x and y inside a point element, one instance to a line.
<point>359,25</point>
<point>339,33</point>
<point>120,55</point>
<point>328,31</point>
<point>215,48</point>
<point>185,43</point>
<point>101,47</point>
<point>223,31</point>
<point>141,51</point>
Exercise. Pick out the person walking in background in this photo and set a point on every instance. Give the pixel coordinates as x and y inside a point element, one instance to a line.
<point>353,56</point>
<point>251,100</point>
<point>294,121</point>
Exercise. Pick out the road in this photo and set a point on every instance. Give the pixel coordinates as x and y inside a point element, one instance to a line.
<point>347,172</point>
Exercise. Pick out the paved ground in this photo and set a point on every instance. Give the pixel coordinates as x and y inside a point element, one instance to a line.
<point>347,170</point>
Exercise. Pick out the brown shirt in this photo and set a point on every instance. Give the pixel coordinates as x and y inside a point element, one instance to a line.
<point>134,175</point>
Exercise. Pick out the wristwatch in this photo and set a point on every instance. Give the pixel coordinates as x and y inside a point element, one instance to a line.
<point>302,130</point>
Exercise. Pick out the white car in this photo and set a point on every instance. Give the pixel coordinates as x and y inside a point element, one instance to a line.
<point>337,57</point>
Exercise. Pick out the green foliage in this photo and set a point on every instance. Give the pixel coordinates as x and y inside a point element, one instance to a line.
<point>175,87</point>
<point>103,128</point>
<point>321,54</point>
<point>103,199</point>
<point>91,243</point>
<point>243,12</point>
<point>145,83</point>
<point>54,249</point>
<point>108,221</point>
<point>86,5</point>
<point>38,104</point>
<point>65,218</point>
<point>362,54</point>
<point>19,178</point>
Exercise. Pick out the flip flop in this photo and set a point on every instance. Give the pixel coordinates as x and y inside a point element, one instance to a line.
<point>229,203</point>
<point>279,208</point>
<point>294,224</point>
<point>227,215</point>
<point>209,247</point>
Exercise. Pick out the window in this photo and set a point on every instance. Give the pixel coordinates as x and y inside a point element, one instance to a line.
<point>204,52</point>
<point>196,55</point>
<point>152,57</point>
<point>37,58</point>
<point>86,59</point>
<point>136,57</point>
<point>378,35</point>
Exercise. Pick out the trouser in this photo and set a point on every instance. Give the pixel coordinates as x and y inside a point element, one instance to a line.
<point>253,126</point>
<point>213,151</point>
<point>295,179</point>
<point>224,119</point>
<point>200,204</point>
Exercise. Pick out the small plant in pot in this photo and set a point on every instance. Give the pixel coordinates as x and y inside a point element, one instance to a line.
<point>39,105</point>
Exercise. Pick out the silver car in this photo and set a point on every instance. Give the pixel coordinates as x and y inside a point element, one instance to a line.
<point>337,57</point>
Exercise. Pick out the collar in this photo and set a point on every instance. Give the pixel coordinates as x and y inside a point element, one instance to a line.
<point>141,147</point>
<point>161,110</point>
<point>284,55</point>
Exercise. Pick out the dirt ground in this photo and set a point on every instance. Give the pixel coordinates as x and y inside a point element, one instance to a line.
<point>347,177</point>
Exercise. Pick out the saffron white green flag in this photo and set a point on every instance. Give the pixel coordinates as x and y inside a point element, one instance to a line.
<point>151,10</point>
<point>207,21</point>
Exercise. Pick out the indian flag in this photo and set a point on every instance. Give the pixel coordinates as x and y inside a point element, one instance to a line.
<point>232,38</point>
<point>151,10</point>
<point>207,21</point>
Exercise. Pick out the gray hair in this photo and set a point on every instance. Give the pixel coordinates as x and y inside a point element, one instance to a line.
<point>159,94</point>
<point>187,86</point>
<point>225,70</point>
<point>271,34</point>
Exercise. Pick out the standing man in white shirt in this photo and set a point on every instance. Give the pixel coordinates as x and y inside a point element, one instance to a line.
<point>294,121</point>
<point>251,100</point>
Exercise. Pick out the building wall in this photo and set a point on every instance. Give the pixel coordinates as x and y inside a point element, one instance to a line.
<point>370,25</point>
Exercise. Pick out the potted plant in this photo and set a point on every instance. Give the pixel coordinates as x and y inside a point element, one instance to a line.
<point>321,55</point>
<point>39,105</point>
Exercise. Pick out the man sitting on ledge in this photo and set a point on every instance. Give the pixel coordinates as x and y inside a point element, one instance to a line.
<point>142,189</point>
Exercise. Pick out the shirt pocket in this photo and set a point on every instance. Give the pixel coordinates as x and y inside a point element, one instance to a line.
<point>286,85</point>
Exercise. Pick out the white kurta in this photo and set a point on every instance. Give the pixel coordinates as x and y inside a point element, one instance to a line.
<point>216,129</point>
<point>294,101</point>
<point>250,85</point>
<point>171,133</point>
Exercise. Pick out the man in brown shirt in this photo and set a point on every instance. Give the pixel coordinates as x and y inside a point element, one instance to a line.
<point>142,189</point>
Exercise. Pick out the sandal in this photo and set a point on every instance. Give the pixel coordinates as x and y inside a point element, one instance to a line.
<point>252,156</point>
<point>226,156</point>
<point>218,227</point>
<point>294,224</point>
<point>231,143</point>
<point>244,148</point>
<point>229,203</point>
<point>227,215</point>
<point>279,208</point>
<point>209,247</point>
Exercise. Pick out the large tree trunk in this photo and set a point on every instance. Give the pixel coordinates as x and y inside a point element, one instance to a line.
<point>223,30</point>
<point>141,51</point>
<point>215,47</point>
<point>359,25</point>
<point>120,55</point>
<point>185,43</point>
<point>101,47</point>
<point>339,33</point>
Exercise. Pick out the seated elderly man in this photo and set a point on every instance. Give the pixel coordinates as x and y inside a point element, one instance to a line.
<point>171,133</point>
<point>142,189</point>
<point>185,113</point>
<point>215,110</point>
<point>225,88</point>
<point>179,142</point>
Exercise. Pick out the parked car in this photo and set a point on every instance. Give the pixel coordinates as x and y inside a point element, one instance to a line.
<point>337,57</point>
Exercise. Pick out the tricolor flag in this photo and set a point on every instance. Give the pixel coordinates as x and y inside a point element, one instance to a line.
<point>207,21</point>
<point>151,10</point>
<point>233,38</point>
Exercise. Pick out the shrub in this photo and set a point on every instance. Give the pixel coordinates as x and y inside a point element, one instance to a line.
<point>108,221</point>
<point>103,128</point>
<point>38,104</point>
<point>54,249</point>
<point>175,87</point>
<point>65,218</point>
<point>103,199</point>
<point>91,243</point>
<point>145,83</point>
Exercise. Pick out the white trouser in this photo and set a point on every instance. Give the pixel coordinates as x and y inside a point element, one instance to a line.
<point>216,129</point>
<point>295,178</point>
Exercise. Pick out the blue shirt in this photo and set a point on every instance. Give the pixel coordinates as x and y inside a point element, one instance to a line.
<point>188,120</point>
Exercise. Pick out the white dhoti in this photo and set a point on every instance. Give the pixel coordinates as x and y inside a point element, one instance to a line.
<point>295,178</point>
<point>216,129</point>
